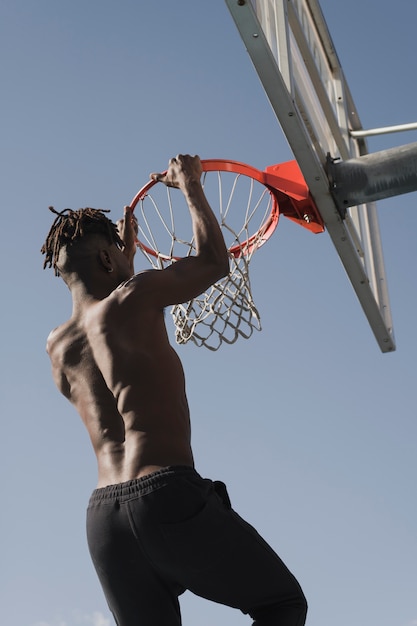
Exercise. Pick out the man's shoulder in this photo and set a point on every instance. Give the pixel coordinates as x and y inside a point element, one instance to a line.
<point>59,335</point>
<point>137,281</point>
<point>127,311</point>
<point>135,291</point>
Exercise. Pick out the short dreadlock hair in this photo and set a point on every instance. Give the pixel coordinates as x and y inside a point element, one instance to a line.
<point>69,226</point>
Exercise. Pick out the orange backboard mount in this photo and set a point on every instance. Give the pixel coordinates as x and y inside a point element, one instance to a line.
<point>294,197</point>
<point>292,51</point>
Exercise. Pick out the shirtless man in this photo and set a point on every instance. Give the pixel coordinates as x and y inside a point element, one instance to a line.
<point>155,527</point>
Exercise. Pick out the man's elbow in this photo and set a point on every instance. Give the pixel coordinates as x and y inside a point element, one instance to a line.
<point>226,266</point>
<point>216,262</point>
<point>223,266</point>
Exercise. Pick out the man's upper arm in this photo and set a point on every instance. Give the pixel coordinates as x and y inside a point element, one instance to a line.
<point>180,282</point>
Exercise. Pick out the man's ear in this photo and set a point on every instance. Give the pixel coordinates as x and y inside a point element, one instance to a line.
<point>105,260</point>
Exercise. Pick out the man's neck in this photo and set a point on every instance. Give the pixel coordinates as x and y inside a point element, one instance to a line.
<point>84,296</point>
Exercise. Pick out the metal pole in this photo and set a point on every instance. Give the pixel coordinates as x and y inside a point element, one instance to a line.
<point>399,128</point>
<point>373,177</point>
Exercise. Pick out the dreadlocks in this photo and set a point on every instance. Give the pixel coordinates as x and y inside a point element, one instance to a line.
<point>71,225</point>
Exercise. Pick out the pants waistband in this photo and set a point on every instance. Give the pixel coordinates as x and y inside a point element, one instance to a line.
<point>140,486</point>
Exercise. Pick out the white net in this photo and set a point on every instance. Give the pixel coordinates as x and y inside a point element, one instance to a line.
<point>247,213</point>
<point>225,312</point>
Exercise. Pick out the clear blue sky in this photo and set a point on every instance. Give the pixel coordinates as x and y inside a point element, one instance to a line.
<point>312,428</point>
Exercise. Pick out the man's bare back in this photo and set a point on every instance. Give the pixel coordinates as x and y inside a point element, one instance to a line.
<point>140,421</point>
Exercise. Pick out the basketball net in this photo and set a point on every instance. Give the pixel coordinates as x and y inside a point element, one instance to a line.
<point>248,214</point>
<point>225,312</point>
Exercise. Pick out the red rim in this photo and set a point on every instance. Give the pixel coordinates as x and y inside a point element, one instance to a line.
<point>235,167</point>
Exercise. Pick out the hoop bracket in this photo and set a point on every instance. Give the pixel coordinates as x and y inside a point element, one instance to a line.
<point>286,181</point>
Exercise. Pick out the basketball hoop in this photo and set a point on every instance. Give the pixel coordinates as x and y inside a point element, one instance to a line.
<point>248,214</point>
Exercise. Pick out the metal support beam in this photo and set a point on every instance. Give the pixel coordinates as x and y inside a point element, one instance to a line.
<point>373,176</point>
<point>399,128</point>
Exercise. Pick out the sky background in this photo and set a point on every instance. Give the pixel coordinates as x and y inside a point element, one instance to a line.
<point>312,428</point>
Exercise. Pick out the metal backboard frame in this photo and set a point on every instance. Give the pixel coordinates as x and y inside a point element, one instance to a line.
<point>292,51</point>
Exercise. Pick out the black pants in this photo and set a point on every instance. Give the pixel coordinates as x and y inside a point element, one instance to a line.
<point>152,538</point>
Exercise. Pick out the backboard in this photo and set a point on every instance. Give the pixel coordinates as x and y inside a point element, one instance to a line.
<point>292,51</point>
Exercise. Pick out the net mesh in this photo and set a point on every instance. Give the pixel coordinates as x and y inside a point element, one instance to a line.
<point>225,312</point>
<point>247,214</point>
